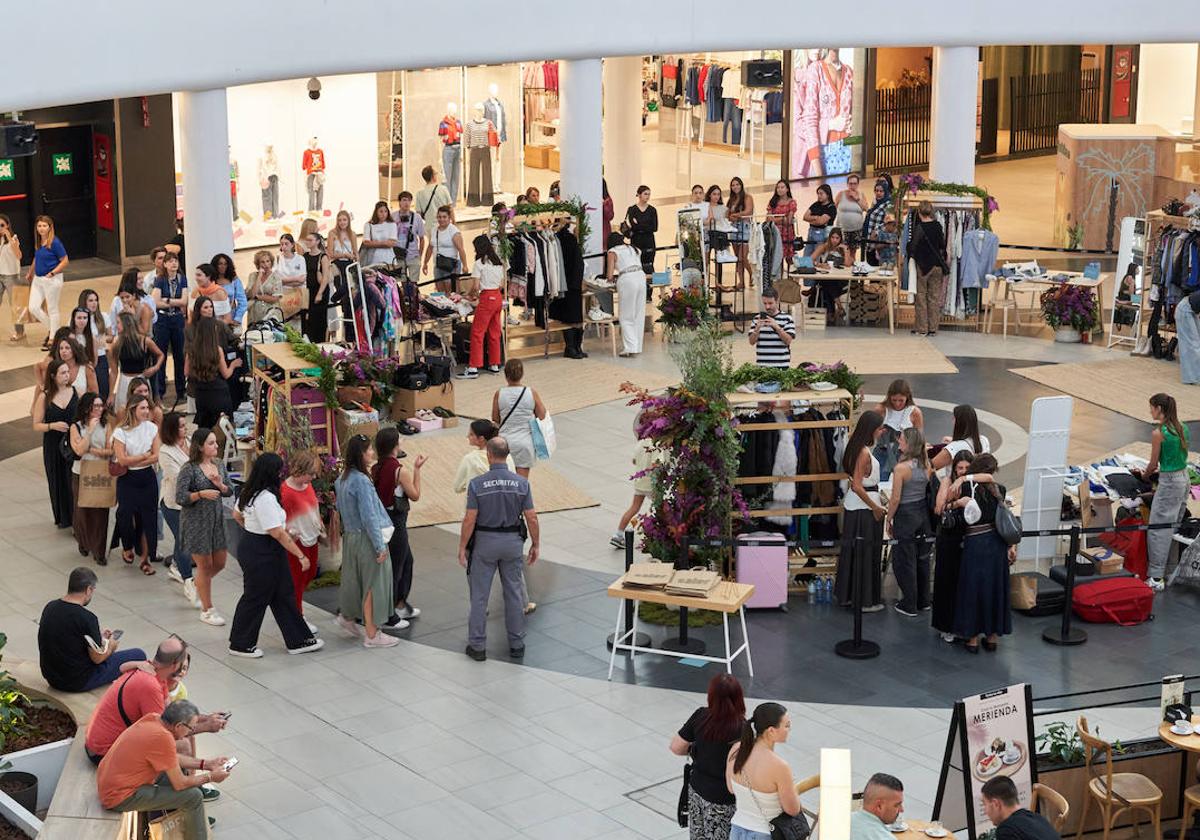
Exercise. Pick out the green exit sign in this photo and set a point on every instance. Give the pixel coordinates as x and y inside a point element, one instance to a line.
<point>64,163</point>
<point>8,170</point>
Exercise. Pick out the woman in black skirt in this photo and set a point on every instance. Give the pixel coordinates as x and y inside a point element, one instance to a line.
<point>262,554</point>
<point>315,319</point>
<point>948,551</point>
<point>982,606</point>
<point>859,577</point>
<point>53,409</point>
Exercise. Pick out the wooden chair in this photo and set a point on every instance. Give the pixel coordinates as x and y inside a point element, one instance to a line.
<point>1115,793</point>
<point>812,783</point>
<point>1056,804</point>
<point>1191,803</point>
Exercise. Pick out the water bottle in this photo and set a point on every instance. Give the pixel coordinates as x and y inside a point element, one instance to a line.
<point>827,591</point>
<point>812,592</point>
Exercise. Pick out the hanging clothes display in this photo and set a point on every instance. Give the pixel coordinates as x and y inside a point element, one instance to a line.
<point>960,289</point>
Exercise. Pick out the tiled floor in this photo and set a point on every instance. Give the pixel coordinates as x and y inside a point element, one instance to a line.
<point>420,742</point>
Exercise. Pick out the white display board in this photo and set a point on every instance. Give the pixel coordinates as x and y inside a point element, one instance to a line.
<point>1045,465</point>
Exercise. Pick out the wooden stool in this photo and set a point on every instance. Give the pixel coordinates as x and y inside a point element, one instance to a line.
<point>1191,802</point>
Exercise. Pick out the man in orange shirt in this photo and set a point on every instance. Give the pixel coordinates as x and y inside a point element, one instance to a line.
<point>141,771</point>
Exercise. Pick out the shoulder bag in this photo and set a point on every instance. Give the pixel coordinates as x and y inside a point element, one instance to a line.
<point>64,445</point>
<point>785,826</point>
<point>444,264</point>
<point>1008,524</point>
<point>681,810</point>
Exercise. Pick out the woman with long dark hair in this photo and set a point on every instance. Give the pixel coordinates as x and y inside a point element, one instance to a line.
<point>135,355</point>
<point>135,447</point>
<point>64,348</point>
<point>262,554</point>
<point>398,487</point>
<point>89,442</point>
<point>487,286</point>
<point>81,331</point>
<point>173,455</point>
<point>367,582</point>
<point>965,437</point>
<point>981,609</point>
<point>641,219</point>
<point>318,278</point>
<point>819,215</point>
<point>781,210</point>
<point>948,549</point>
<point>859,573</point>
<point>740,210</point>
<point>707,736</point>
<point>89,300</point>
<point>206,287</point>
<point>201,483</point>
<point>226,277</point>
<point>53,410</point>
<point>209,372</point>
<point>759,779</point>
<point>1168,457</point>
<point>908,522</point>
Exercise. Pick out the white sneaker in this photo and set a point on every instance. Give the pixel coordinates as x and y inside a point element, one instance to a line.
<point>873,608</point>
<point>189,592</point>
<point>468,373</point>
<point>348,626</point>
<point>598,314</point>
<point>309,647</point>
<point>948,638</point>
<point>409,611</point>
<point>312,628</point>
<point>211,616</point>
<point>514,321</point>
<point>1156,584</point>
<point>381,640</point>
<point>173,573</point>
<point>617,540</point>
<point>253,653</point>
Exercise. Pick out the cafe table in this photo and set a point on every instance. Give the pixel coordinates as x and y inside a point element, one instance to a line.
<point>1186,743</point>
<point>916,830</point>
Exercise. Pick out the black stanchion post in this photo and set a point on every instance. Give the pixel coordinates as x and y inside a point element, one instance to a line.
<point>1066,634</point>
<point>683,644</point>
<point>857,647</point>
<point>641,639</point>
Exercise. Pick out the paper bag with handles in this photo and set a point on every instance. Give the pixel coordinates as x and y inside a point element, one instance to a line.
<point>294,300</point>
<point>649,575</point>
<point>97,487</point>
<point>1022,592</point>
<point>697,581</point>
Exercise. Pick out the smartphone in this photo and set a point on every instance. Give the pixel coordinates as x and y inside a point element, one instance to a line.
<point>229,765</point>
<point>117,634</point>
<point>224,715</point>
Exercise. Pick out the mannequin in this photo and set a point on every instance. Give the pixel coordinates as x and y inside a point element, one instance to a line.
<point>233,182</point>
<point>268,181</point>
<point>493,110</point>
<point>450,131</point>
<point>479,160</point>
<point>313,164</point>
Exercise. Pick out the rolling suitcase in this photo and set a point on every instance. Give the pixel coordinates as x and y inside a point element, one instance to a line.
<point>762,560</point>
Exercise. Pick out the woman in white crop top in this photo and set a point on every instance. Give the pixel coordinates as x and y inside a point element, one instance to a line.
<point>760,780</point>
<point>898,408</point>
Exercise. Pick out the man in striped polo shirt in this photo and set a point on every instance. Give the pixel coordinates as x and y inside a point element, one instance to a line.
<point>772,334</point>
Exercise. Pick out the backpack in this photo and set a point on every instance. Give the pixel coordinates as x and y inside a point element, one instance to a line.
<point>1124,600</point>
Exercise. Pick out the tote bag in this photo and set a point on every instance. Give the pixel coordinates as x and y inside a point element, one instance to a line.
<point>97,488</point>
<point>544,439</point>
<point>294,301</point>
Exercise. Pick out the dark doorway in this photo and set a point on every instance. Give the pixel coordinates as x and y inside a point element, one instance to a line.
<point>62,179</point>
<point>16,199</point>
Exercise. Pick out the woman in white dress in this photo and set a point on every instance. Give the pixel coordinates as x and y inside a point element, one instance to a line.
<point>513,406</point>
<point>625,270</point>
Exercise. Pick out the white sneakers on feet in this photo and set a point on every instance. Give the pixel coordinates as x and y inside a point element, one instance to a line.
<point>173,573</point>
<point>308,647</point>
<point>211,616</point>
<point>381,640</point>
<point>468,373</point>
<point>348,626</point>
<point>409,611</point>
<point>598,314</point>
<point>312,628</point>
<point>253,653</point>
<point>189,592</point>
<point>1156,584</point>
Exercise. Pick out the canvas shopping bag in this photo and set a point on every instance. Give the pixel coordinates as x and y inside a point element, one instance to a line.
<point>697,582</point>
<point>97,487</point>
<point>294,301</point>
<point>169,826</point>
<point>649,575</point>
<point>1023,592</point>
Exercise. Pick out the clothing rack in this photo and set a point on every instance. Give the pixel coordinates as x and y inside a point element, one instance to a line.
<point>940,201</point>
<point>839,397</point>
<point>1156,222</point>
<point>511,336</point>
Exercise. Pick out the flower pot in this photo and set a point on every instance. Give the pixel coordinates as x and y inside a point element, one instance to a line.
<point>1067,335</point>
<point>22,787</point>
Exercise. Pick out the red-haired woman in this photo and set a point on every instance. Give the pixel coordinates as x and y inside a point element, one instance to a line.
<point>707,737</point>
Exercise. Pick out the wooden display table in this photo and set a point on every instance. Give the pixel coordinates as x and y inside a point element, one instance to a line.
<point>296,372</point>
<point>887,279</point>
<point>1005,289</point>
<point>726,598</point>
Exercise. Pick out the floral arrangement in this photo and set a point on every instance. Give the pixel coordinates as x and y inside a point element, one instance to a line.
<point>311,353</point>
<point>574,205</point>
<point>374,369</point>
<point>914,183</point>
<point>800,377</point>
<point>684,307</point>
<point>1071,306</point>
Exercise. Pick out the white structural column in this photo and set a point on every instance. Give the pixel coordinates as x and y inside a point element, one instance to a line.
<point>204,148</point>
<point>952,123</point>
<point>623,128</point>
<point>582,140</point>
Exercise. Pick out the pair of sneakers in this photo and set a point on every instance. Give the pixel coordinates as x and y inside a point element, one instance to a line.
<point>473,373</point>
<point>310,645</point>
<point>598,314</point>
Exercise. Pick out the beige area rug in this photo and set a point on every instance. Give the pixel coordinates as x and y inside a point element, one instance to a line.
<point>440,505</point>
<point>563,385</point>
<point>882,353</point>
<point>1123,384</point>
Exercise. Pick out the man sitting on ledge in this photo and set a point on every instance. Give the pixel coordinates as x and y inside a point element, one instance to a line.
<point>141,771</point>
<point>74,653</point>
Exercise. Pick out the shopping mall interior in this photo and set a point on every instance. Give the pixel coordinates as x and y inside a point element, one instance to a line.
<point>1079,167</point>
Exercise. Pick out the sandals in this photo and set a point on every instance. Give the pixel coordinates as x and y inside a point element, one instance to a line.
<point>127,556</point>
<point>425,414</point>
<point>146,568</point>
<point>444,413</point>
<point>14,338</point>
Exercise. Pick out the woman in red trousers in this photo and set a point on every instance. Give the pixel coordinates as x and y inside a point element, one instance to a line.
<point>487,288</point>
<point>299,502</point>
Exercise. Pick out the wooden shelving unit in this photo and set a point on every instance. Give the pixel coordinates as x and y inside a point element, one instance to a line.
<point>296,372</point>
<point>825,557</point>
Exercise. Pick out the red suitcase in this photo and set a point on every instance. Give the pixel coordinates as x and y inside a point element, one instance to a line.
<point>1125,601</point>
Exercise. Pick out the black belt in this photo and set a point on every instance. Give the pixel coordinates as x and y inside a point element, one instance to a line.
<point>503,529</point>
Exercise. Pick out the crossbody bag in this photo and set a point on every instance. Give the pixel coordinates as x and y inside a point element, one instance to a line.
<point>442,263</point>
<point>784,826</point>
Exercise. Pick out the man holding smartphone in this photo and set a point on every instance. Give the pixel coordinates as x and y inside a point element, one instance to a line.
<point>410,235</point>
<point>773,333</point>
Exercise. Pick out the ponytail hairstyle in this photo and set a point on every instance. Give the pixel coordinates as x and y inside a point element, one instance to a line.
<point>862,437</point>
<point>914,446</point>
<point>766,716</point>
<point>966,426</point>
<point>1170,412</point>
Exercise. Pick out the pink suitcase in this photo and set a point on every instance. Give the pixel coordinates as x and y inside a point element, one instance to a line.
<point>762,560</point>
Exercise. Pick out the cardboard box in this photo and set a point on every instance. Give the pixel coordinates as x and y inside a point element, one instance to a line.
<point>424,425</point>
<point>1104,559</point>
<point>536,156</point>
<point>552,160</point>
<point>405,403</point>
<point>350,423</point>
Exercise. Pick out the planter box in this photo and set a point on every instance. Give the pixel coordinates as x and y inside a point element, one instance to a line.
<point>46,762</point>
<point>1161,765</point>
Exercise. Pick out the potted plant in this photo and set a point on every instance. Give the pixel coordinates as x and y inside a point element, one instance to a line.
<point>691,271</point>
<point>1070,311</point>
<point>683,308</point>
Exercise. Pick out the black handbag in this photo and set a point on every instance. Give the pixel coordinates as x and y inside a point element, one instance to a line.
<point>784,826</point>
<point>440,368</point>
<point>64,448</point>
<point>444,264</point>
<point>681,811</point>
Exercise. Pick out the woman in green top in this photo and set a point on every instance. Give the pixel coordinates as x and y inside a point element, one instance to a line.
<point>1168,457</point>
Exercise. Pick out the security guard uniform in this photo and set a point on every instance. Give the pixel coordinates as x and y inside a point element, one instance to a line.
<point>500,497</point>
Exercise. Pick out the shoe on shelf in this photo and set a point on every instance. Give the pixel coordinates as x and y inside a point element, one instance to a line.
<point>348,626</point>
<point>617,540</point>
<point>252,653</point>
<point>409,612</point>
<point>477,655</point>
<point>380,640</point>
<point>598,314</point>
<point>312,628</point>
<point>467,373</point>
<point>905,611</point>
<point>1156,584</point>
<point>310,645</point>
<point>173,573</point>
<point>189,592</point>
<point>211,616</point>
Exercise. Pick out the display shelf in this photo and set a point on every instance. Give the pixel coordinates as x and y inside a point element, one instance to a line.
<point>1156,221</point>
<point>266,358</point>
<point>940,201</point>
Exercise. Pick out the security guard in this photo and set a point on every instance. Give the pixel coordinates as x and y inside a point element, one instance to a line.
<point>499,514</point>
